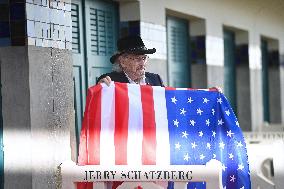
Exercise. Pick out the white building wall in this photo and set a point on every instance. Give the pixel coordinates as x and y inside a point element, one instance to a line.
<point>257,17</point>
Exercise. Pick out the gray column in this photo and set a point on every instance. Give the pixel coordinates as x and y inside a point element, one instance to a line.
<point>214,53</point>
<point>255,82</point>
<point>51,107</point>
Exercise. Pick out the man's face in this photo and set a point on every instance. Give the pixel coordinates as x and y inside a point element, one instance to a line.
<point>134,65</point>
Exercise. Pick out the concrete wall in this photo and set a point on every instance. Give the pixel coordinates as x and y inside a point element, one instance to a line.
<point>37,98</point>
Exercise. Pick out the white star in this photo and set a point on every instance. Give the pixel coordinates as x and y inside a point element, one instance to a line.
<point>176,122</point>
<point>242,187</point>
<point>214,156</point>
<point>208,145</point>
<point>231,156</point>
<point>207,122</point>
<point>186,157</point>
<point>219,100</point>
<point>213,134</point>
<point>193,145</point>
<point>205,100</point>
<point>240,167</point>
<point>202,156</point>
<point>200,133</point>
<point>192,122</point>
<point>239,144</point>
<point>221,145</point>
<point>224,167</point>
<point>174,100</point>
<point>228,112</point>
<point>232,178</point>
<point>220,122</point>
<point>199,111</point>
<point>189,100</point>
<point>182,111</point>
<point>237,124</point>
<point>213,111</point>
<point>184,134</point>
<point>177,146</point>
<point>229,133</point>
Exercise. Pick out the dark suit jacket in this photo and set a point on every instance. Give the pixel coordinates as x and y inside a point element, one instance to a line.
<point>151,78</point>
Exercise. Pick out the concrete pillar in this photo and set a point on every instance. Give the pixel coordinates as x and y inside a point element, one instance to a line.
<point>52,118</point>
<point>214,53</point>
<point>255,81</point>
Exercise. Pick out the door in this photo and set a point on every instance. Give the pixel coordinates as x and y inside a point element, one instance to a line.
<point>79,68</point>
<point>178,52</point>
<point>101,37</point>
<point>230,68</point>
<point>94,36</point>
<point>265,81</point>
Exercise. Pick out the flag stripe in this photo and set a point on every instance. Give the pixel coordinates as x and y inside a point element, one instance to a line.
<point>170,88</point>
<point>121,124</point>
<point>162,133</point>
<point>134,144</point>
<point>149,127</point>
<point>107,126</point>
<point>94,127</point>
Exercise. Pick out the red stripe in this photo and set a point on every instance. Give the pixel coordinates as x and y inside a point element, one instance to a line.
<point>95,127</point>
<point>89,149</point>
<point>121,123</point>
<point>84,185</point>
<point>213,89</point>
<point>191,89</point>
<point>116,184</point>
<point>170,88</point>
<point>149,126</point>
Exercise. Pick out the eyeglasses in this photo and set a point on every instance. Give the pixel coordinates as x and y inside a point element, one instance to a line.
<point>138,58</point>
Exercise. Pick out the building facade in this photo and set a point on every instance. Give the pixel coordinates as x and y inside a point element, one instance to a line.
<point>52,51</point>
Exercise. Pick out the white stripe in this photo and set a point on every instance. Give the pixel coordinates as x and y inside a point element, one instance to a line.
<point>192,89</point>
<point>107,151</point>
<point>162,132</point>
<point>135,126</point>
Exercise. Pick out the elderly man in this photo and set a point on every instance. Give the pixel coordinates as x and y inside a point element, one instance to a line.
<point>129,64</point>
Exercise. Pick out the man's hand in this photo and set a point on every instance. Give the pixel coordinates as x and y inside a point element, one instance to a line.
<point>106,80</point>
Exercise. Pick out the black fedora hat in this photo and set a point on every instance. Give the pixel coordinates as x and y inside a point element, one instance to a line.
<point>132,44</point>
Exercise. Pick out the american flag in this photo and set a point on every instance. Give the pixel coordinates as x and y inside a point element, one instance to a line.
<point>128,124</point>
